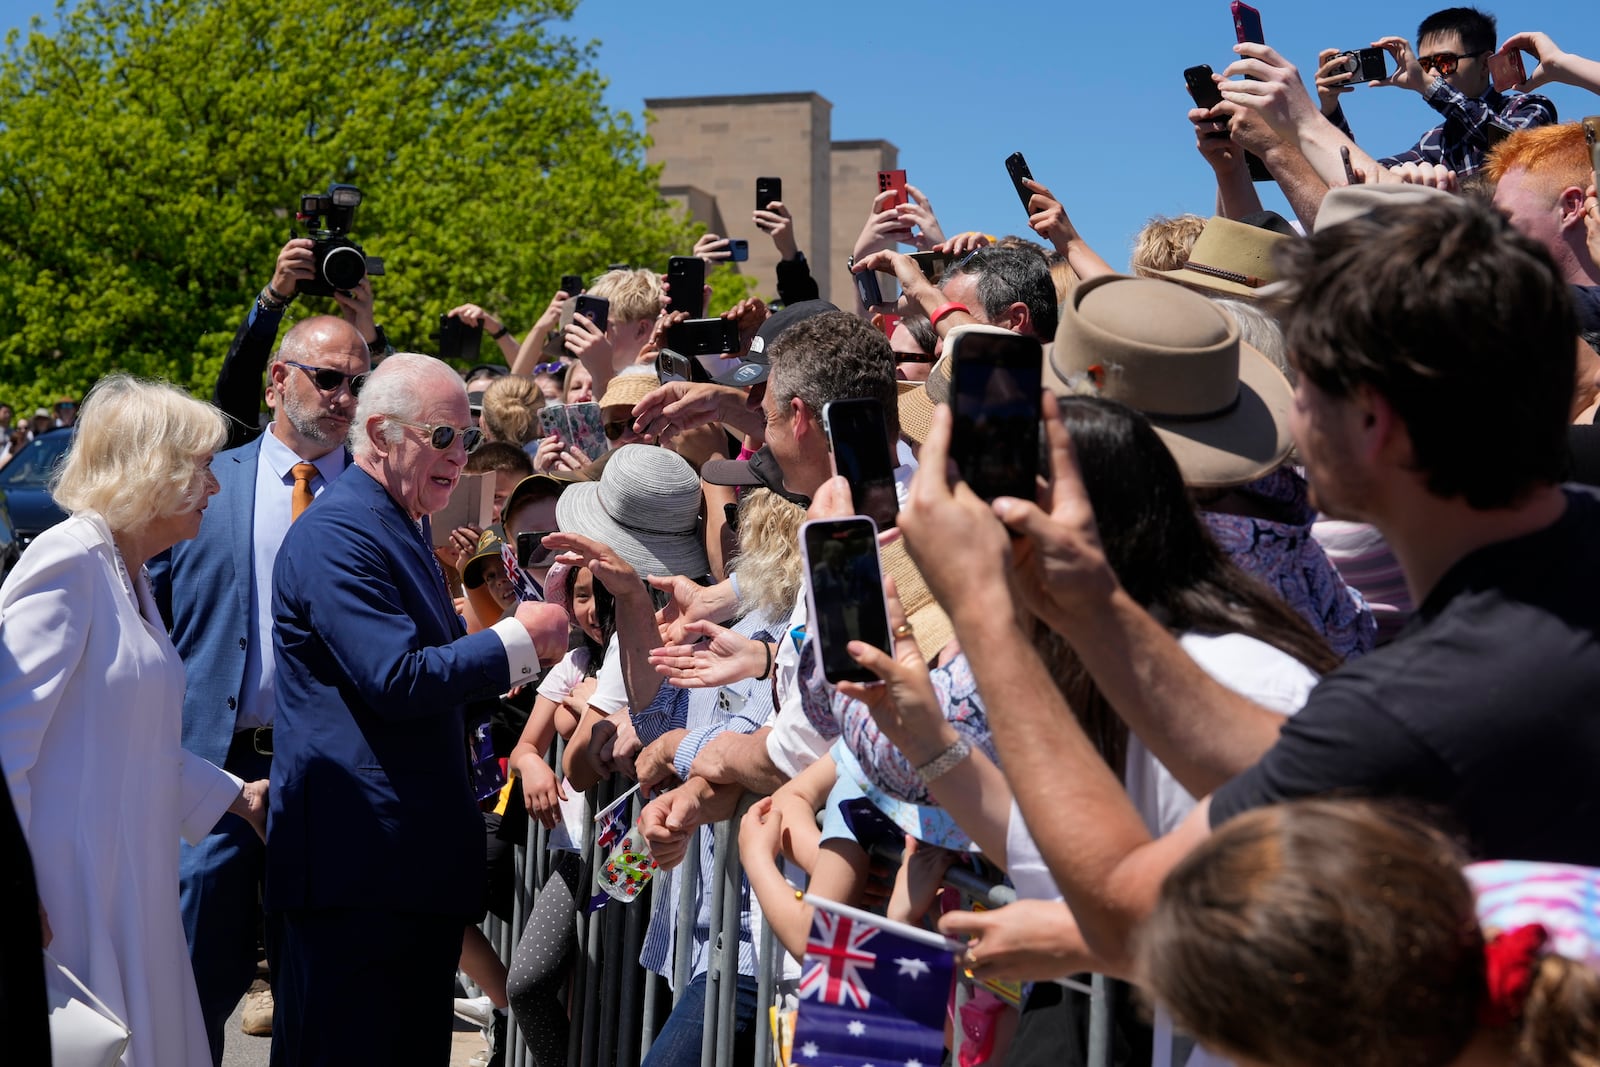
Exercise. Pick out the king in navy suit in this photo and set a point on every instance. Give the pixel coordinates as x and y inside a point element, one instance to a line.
<point>217,593</point>
<point>374,844</point>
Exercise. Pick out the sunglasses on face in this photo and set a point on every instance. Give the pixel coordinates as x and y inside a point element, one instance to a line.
<point>328,380</point>
<point>548,368</point>
<point>913,357</point>
<point>617,427</point>
<point>1446,62</point>
<point>442,437</point>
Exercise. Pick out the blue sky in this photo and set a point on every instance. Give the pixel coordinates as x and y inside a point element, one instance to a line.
<point>1092,94</point>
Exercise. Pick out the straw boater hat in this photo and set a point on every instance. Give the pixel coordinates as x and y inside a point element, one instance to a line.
<point>1221,406</point>
<point>630,387</point>
<point>1231,258</point>
<point>646,506</point>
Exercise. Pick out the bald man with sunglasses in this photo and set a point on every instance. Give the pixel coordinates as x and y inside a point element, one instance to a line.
<point>1450,69</point>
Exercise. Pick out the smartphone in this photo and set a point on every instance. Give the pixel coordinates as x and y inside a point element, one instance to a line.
<point>1206,93</point>
<point>1506,70</point>
<point>553,421</point>
<point>738,249</point>
<point>572,284</point>
<point>1367,64</point>
<point>703,337</point>
<point>933,264</point>
<point>1017,167</point>
<point>1591,133</point>
<point>858,436</point>
<point>597,309</point>
<point>1247,24</point>
<point>687,277</point>
<point>672,367</point>
<point>867,287</point>
<point>588,429</point>
<point>457,340</point>
<point>844,590</point>
<point>1202,90</point>
<point>994,401</point>
<point>531,552</point>
<point>896,180</point>
<point>768,190</point>
<point>869,825</point>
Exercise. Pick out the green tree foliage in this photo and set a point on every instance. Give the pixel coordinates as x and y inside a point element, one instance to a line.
<point>152,153</point>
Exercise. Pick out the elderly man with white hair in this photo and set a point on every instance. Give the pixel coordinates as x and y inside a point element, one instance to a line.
<point>375,845</point>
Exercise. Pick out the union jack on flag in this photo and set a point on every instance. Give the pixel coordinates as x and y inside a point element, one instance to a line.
<point>615,828</point>
<point>871,992</point>
<point>835,959</point>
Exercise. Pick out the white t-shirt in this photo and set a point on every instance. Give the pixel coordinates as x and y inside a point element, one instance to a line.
<point>793,744</point>
<point>563,678</point>
<point>610,689</point>
<point>1251,667</point>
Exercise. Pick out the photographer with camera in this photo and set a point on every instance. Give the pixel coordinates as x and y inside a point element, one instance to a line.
<point>325,263</point>
<point>1450,69</point>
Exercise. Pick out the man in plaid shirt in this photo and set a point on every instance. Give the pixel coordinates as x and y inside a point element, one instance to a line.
<point>1451,70</point>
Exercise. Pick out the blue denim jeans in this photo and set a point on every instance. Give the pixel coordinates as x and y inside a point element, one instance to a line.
<point>678,1042</point>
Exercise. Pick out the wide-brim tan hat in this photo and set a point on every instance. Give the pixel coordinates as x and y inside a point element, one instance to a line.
<point>1230,257</point>
<point>929,623</point>
<point>1221,406</point>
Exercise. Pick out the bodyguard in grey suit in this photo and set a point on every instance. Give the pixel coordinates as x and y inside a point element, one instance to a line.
<point>220,589</point>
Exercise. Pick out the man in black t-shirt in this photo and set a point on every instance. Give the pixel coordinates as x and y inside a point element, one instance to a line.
<point>1434,353</point>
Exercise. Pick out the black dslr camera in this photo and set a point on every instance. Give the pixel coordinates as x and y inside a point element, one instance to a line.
<point>340,263</point>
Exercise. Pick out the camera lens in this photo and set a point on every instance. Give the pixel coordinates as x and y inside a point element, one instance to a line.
<point>1349,65</point>
<point>344,267</point>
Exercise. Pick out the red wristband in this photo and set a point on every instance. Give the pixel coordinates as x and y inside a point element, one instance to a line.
<point>945,309</point>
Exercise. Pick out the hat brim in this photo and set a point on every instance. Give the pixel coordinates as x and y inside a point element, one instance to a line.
<point>729,472</point>
<point>1246,443</point>
<point>579,511</point>
<point>928,823</point>
<point>746,374</point>
<point>524,488</point>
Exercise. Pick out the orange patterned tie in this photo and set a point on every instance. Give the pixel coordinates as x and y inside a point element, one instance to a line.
<point>303,473</point>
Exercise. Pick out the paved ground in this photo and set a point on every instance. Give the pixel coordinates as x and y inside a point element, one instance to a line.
<point>242,1050</point>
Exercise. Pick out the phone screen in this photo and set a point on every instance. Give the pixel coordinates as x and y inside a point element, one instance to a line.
<point>995,403</point>
<point>846,583</point>
<point>687,277</point>
<point>859,439</point>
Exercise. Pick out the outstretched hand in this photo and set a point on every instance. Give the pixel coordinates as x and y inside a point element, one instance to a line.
<point>725,658</point>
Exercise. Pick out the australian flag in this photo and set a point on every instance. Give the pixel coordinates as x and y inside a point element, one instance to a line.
<point>613,828</point>
<point>869,995</point>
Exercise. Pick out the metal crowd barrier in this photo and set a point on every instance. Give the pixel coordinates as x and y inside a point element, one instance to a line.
<point>615,1005</point>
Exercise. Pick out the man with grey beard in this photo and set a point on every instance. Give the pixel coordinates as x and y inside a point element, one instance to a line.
<point>216,591</point>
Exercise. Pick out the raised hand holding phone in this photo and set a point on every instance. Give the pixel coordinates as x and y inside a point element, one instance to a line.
<point>844,590</point>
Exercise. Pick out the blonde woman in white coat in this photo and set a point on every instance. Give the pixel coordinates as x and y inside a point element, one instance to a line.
<point>91,699</point>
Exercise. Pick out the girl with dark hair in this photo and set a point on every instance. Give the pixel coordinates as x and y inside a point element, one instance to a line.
<point>1328,933</point>
<point>543,956</point>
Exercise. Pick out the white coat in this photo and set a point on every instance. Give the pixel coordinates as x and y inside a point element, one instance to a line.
<point>91,699</point>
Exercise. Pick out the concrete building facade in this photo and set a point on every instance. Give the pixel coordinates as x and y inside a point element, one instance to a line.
<point>713,148</point>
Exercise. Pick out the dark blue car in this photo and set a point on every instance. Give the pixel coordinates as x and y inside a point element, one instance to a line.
<point>25,493</point>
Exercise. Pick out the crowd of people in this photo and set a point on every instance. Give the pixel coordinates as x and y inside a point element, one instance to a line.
<point>1271,703</point>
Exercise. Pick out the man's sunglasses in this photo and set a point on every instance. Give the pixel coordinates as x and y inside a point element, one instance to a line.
<point>328,380</point>
<point>913,357</point>
<point>442,437</point>
<point>1446,62</point>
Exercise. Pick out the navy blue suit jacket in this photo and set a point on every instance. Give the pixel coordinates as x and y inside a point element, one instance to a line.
<point>203,587</point>
<point>371,803</point>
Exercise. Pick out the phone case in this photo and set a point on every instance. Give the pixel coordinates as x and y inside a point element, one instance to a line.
<point>588,429</point>
<point>1591,131</point>
<point>554,420</point>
